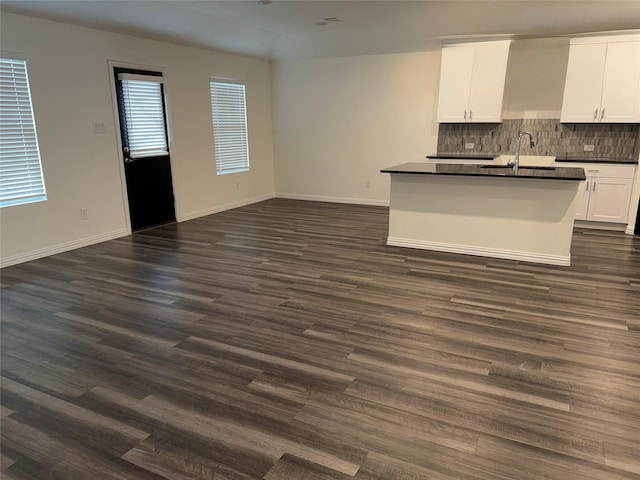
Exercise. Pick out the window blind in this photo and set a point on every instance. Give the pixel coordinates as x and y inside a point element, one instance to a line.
<point>228,111</point>
<point>144,116</point>
<point>21,178</point>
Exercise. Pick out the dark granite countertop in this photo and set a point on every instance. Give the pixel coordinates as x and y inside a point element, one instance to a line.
<point>462,156</point>
<point>492,156</point>
<point>548,173</point>
<point>629,161</point>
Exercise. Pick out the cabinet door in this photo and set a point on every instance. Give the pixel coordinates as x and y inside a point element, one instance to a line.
<point>583,84</point>
<point>621,84</point>
<point>455,82</point>
<point>487,82</point>
<point>582,200</point>
<point>609,200</point>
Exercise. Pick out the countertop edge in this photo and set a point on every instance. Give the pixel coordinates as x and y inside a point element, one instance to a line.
<point>492,156</point>
<point>486,175</point>
<point>574,174</point>
<point>605,162</point>
<point>460,156</point>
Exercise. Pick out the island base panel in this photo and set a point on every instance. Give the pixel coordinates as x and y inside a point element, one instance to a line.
<point>512,218</point>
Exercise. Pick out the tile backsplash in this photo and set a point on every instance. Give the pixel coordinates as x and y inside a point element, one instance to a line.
<point>616,141</point>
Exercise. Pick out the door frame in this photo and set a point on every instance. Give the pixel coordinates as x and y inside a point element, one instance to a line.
<point>117,130</point>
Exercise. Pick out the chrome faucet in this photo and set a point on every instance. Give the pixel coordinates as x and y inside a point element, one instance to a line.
<point>516,158</point>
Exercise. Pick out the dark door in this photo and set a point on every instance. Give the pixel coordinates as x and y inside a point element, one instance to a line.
<point>637,229</point>
<point>143,129</point>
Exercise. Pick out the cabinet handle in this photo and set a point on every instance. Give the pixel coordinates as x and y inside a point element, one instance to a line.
<point>470,115</point>
<point>594,186</point>
<point>465,115</point>
<point>602,115</point>
<point>586,188</point>
<point>595,115</point>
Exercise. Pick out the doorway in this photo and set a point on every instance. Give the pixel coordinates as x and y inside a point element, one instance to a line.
<point>145,147</point>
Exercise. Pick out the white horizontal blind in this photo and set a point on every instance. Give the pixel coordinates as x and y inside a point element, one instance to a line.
<point>144,117</point>
<point>229,114</point>
<point>21,179</point>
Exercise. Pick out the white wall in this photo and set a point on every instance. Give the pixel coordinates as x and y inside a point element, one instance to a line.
<point>71,89</point>
<point>338,121</point>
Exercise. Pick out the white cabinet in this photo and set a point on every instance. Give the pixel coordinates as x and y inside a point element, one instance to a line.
<point>609,200</point>
<point>472,79</point>
<point>606,193</point>
<point>603,80</point>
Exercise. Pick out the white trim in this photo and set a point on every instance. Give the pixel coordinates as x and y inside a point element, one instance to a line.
<point>323,198</point>
<point>614,227</point>
<point>117,133</point>
<point>14,55</point>
<point>60,248</point>
<point>232,81</point>
<point>472,40</point>
<point>606,37</point>
<point>226,206</point>
<point>142,78</point>
<point>480,251</point>
<point>630,229</point>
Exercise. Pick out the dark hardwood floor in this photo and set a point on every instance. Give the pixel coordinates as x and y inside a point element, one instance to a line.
<point>285,340</point>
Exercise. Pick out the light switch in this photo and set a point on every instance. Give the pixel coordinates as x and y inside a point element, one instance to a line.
<point>99,128</point>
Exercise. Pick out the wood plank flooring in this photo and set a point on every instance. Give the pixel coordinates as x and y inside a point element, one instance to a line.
<point>285,340</point>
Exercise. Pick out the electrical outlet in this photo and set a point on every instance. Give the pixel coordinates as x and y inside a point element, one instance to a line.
<point>469,145</point>
<point>367,183</point>
<point>84,214</point>
<point>98,128</point>
<point>589,148</point>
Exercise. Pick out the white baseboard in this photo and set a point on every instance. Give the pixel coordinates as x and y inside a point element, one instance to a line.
<point>614,227</point>
<point>324,198</point>
<point>226,206</point>
<point>60,248</point>
<point>630,229</point>
<point>84,242</point>
<point>480,251</point>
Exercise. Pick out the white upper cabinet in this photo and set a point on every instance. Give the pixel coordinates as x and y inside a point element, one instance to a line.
<point>472,79</point>
<point>583,84</point>
<point>621,83</point>
<point>456,69</point>
<point>603,81</point>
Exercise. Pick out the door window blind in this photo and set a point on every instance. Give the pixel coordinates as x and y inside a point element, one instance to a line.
<point>21,178</point>
<point>229,114</point>
<point>144,115</point>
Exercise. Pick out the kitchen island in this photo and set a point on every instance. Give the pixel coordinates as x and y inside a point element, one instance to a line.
<point>485,210</point>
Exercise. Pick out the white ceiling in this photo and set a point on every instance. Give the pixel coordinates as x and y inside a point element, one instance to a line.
<point>286,29</point>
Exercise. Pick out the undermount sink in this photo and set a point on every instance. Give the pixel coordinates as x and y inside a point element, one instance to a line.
<point>528,161</point>
<point>526,167</point>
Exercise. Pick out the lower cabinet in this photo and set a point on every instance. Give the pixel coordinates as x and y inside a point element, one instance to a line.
<point>604,200</point>
<point>606,193</point>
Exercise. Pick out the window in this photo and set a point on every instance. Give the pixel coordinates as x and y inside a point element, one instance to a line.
<point>229,113</point>
<point>21,178</point>
<point>144,115</point>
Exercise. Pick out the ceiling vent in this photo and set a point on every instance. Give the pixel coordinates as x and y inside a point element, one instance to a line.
<point>327,21</point>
